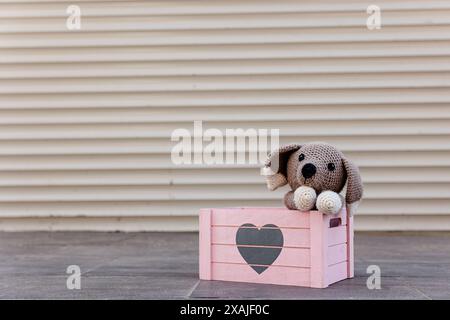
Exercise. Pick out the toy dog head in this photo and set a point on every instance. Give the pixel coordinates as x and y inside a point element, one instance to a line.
<point>316,165</point>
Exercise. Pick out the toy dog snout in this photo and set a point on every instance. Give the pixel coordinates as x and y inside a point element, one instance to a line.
<point>309,170</point>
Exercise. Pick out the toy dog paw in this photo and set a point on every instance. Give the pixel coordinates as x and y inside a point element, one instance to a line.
<point>305,198</point>
<point>329,202</point>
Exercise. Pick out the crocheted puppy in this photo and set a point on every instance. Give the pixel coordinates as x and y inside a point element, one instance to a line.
<point>316,173</point>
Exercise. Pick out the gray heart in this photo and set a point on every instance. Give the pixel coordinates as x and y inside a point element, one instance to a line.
<point>269,236</point>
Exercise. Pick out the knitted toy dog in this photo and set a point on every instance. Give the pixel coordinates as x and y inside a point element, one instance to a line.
<point>316,173</point>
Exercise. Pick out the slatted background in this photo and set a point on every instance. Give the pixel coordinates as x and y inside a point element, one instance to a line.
<point>86,116</point>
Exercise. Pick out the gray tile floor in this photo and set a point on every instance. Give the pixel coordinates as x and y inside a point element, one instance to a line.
<point>164,265</point>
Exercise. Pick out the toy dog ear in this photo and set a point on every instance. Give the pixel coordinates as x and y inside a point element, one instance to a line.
<point>354,186</point>
<point>275,168</point>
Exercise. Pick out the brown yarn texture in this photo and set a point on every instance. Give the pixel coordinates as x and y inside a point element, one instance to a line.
<point>320,155</point>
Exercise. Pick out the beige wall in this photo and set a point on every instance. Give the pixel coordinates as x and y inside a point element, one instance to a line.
<point>86,116</point>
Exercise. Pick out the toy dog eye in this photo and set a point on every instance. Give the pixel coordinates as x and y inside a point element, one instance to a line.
<point>331,166</point>
<point>301,157</point>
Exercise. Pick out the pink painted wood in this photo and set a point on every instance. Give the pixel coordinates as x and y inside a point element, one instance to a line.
<point>319,247</point>
<point>260,217</point>
<point>289,257</point>
<point>336,254</point>
<point>350,252</point>
<point>296,238</point>
<point>273,275</point>
<point>313,254</point>
<point>337,272</point>
<point>337,235</point>
<point>205,244</point>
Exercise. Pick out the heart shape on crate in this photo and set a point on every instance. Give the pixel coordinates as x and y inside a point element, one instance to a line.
<point>259,247</point>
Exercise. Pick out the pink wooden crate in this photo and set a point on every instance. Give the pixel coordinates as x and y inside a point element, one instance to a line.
<point>276,246</point>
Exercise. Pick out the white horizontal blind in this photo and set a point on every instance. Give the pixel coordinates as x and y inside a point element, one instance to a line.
<point>86,115</point>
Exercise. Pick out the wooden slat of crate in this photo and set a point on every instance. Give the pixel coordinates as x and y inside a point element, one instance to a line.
<point>289,257</point>
<point>283,218</point>
<point>273,275</point>
<point>295,238</point>
<point>337,254</point>
<point>337,272</point>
